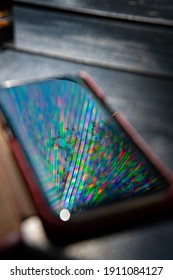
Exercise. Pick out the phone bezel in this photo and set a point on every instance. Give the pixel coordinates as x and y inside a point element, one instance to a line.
<point>99,219</point>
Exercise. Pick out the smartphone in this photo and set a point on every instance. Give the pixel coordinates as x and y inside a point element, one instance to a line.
<point>87,169</point>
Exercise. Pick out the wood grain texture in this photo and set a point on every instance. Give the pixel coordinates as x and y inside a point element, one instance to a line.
<point>146,101</point>
<point>115,45</point>
<point>156,12</point>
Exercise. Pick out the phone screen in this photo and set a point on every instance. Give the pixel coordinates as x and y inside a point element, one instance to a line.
<point>81,156</point>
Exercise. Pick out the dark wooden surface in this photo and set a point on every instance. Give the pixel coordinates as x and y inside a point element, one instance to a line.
<point>106,43</point>
<point>53,42</point>
<point>156,12</point>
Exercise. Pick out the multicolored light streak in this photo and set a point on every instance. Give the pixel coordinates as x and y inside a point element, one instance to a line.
<point>80,155</point>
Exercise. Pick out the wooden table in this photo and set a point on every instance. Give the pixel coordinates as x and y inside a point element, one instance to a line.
<point>127,48</point>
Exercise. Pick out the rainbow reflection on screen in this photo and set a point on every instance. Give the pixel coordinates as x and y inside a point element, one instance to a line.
<point>81,156</point>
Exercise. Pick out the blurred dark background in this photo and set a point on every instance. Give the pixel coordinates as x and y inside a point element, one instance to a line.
<point>127,47</point>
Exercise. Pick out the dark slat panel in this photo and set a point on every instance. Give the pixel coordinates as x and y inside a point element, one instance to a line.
<point>148,103</point>
<point>158,11</point>
<point>91,40</point>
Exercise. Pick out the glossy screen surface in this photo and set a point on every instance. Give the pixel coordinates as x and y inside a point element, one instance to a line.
<point>81,156</point>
